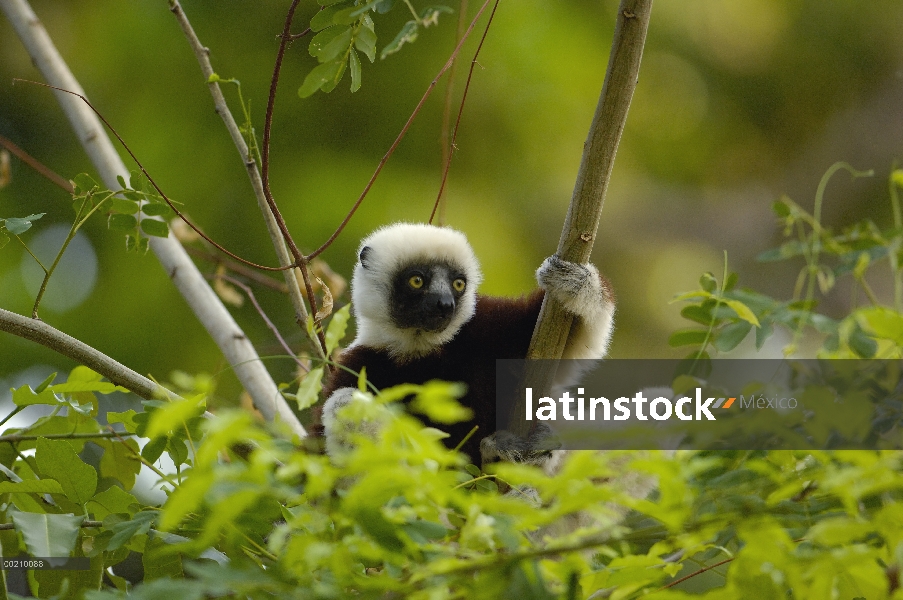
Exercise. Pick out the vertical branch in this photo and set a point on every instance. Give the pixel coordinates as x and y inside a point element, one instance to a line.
<point>584,212</point>
<point>228,336</point>
<point>257,183</point>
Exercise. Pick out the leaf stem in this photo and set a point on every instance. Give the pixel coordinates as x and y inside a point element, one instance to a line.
<point>59,255</point>
<point>413,12</point>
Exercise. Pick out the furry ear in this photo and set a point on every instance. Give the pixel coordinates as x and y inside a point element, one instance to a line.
<point>363,256</point>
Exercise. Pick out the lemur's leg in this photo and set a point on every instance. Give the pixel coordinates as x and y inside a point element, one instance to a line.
<point>338,432</point>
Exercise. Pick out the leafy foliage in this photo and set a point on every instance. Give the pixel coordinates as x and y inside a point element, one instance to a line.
<point>728,314</point>
<point>345,27</point>
<point>124,208</point>
<point>251,514</point>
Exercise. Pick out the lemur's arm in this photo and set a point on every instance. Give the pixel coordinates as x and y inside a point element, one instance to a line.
<point>587,295</point>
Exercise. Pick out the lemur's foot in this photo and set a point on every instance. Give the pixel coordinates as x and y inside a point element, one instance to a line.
<point>536,449</point>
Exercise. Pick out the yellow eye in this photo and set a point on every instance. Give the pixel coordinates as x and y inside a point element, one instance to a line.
<point>459,285</point>
<point>416,282</point>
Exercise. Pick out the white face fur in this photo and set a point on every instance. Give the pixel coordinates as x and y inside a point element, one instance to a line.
<point>413,288</point>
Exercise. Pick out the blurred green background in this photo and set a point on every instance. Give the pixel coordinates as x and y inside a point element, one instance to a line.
<point>739,102</point>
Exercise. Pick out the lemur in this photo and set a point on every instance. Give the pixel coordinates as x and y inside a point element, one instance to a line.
<point>419,318</point>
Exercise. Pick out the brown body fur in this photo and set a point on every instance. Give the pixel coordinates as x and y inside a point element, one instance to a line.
<point>501,328</point>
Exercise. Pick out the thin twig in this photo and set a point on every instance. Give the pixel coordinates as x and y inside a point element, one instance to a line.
<point>401,135</point>
<point>37,165</point>
<point>42,333</point>
<point>137,456</point>
<point>473,63</point>
<point>222,109</point>
<point>14,438</point>
<point>144,172</point>
<point>446,107</point>
<point>300,260</point>
<point>699,572</point>
<point>84,524</point>
<point>250,293</point>
<point>240,269</point>
<point>184,274</point>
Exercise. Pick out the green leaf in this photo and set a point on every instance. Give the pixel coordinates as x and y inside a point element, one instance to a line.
<point>309,388</point>
<point>4,239</point>
<point>45,383</point>
<point>362,380</point>
<point>185,499</point>
<point>123,206</point>
<point>112,501</point>
<point>327,44</point>
<point>687,337</point>
<point>731,336</point>
<point>320,76</point>
<point>384,6</point>
<point>154,449</point>
<point>731,282</point>
<point>346,16</point>
<point>19,225</point>
<point>423,531</point>
<point>407,35</point>
<point>697,313</point>
<point>48,535</point>
<point>84,183</point>
<point>785,251</point>
<point>127,418</point>
<point>173,415</point>
<point>330,85</point>
<point>57,425</point>
<point>355,64</point>
<point>120,222</point>
<point>31,486</point>
<point>126,530</point>
<point>366,7</point>
<point>160,562</point>
<point>691,296</point>
<point>883,323</point>
<point>158,209</point>
<point>708,282</point>
<point>430,15</point>
<point>155,228</point>
<point>763,332</point>
<point>25,396</point>
<point>742,311</point>
<point>100,387</point>
<point>56,459</point>
<point>862,344</point>
<point>437,400</point>
<point>121,181</point>
<point>780,208</point>
<point>136,244</point>
<point>379,528</point>
<point>119,461</point>
<point>696,364</point>
<point>177,449</point>
<point>323,19</point>
<point>338,325</point>
<point>365,40</point>
<point>136,180</point>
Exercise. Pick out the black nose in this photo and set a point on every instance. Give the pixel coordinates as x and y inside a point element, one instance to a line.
<point>445,304</point>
